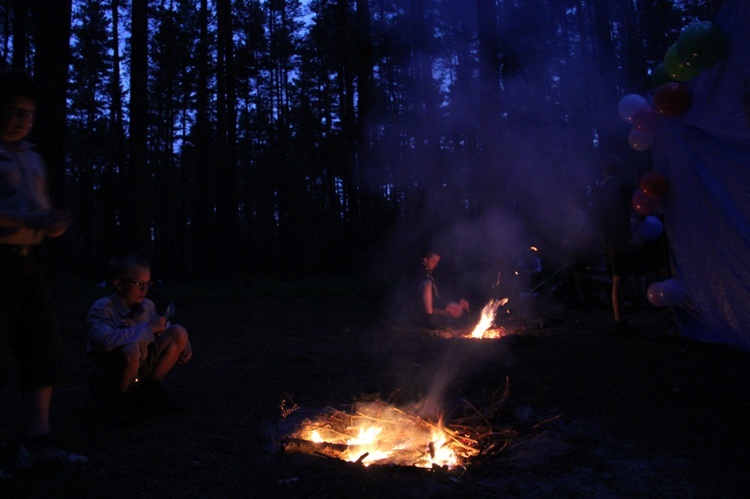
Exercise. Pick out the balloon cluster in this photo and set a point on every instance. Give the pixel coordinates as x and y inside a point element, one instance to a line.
<point>635,109</point>
<point>646,201</point>
<point>700,46</point>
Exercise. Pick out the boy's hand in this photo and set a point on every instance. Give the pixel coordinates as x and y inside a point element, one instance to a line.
<point>168,311</point>
<point>454,309</point>
<point>186,354</point>
<point>54,222</point>
<point>158,324</point>
<point>60,222</point>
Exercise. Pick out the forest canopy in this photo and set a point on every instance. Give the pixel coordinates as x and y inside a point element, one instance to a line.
<point>279,138</point>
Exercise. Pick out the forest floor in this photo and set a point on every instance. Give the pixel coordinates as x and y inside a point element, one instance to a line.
<point>593,414</point>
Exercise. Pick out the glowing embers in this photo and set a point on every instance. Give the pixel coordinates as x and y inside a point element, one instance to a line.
<point>380,433</point>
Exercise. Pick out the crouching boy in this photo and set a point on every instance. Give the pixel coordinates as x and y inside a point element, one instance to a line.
<point>131,347</point>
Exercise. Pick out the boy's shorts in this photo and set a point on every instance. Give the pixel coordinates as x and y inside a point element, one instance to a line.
<point>103,371</point>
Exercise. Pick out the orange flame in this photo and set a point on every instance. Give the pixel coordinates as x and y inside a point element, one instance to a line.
<point>482,329</point>
<point>378,433</point>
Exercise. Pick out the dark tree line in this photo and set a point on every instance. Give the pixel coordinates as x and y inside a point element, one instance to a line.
<point>243,138</point>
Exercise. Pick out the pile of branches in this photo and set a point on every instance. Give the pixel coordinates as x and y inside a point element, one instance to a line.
<point>475,435</point>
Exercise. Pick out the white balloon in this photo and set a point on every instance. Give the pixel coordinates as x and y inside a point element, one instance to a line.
<point>672,292</point>
<point>630,104</point>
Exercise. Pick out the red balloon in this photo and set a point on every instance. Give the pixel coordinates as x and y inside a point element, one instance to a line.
<point>643,203</point>
<point>672,99</point>
<point>655,294</point>
<point>654,184</point>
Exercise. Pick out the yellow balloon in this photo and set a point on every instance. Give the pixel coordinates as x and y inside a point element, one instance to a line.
<point>677,69</point>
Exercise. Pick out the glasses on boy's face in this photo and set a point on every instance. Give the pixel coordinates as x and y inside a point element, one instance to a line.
<point>21,113</point>
<point>140,284</point>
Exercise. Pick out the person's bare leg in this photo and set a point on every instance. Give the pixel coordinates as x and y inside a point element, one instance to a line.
<point>175,344</point>
<point>131,362</point>
<point>38,448</point>
<point>36,411</point>
<point>617,297</point>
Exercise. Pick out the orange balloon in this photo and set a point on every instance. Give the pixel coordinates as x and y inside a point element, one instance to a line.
<point>645,120</point>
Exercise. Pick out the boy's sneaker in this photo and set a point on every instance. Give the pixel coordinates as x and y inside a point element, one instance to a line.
<point>40,452</point>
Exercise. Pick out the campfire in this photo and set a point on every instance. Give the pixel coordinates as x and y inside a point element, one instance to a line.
<point>381,433</point>
<point>485,328</point>
<point>371,433</point>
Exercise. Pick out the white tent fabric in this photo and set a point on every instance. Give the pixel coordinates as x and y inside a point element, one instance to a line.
<point>705,154</point>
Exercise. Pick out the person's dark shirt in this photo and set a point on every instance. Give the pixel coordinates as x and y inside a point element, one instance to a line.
<point>611,204</point>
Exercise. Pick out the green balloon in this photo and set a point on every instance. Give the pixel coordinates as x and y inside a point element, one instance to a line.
<point>677,69</point>
<point>701,44</point>
<point>659,76</point>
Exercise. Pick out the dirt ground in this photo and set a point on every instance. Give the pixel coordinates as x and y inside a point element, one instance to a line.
<point>647,416</point>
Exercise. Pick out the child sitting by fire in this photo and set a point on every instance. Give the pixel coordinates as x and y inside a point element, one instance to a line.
<point>131,347</point>
<point>432,312</point>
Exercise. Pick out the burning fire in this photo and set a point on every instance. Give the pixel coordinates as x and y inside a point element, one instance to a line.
<point>379,433</point>
<point>484,329</point>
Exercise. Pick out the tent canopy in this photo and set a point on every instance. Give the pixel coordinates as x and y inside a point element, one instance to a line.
<point>705,154</point>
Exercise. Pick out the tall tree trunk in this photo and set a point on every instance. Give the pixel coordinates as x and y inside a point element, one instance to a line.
<point>203,231</point>
<point>607,91</point>
<point>227,132</point>
<point>489,102</point>
<point>20,34</point>
<point>343,254</point>
<point>136,214</point>
<point>51,77</point>
<point>361,197</point>
<point>113,188</point>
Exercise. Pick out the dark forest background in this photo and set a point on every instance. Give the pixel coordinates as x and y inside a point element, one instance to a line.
<point>248,139</point>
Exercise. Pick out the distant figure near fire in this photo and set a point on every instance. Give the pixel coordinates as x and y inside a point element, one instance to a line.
<point>131,347</point>
<point>431,310</point>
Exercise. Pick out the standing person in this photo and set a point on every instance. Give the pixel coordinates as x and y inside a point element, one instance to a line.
<point>131,347</point>
<point>430,305</point>
<point>611,203</point>
<point>28,325</point>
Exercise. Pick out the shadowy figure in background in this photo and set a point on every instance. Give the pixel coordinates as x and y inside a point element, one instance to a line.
<point>131,347</point>
<point>612,207</point>
<point>28,324</point>
<point>579,251</point>
<point>434,311</point>
<point>528,271</point>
